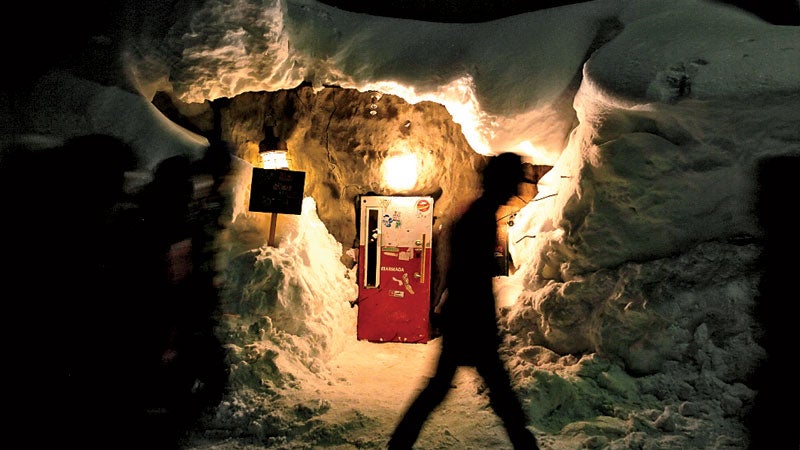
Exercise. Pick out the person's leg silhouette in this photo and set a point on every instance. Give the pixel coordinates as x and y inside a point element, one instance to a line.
<point>505,402</point>
<point>435,391</point>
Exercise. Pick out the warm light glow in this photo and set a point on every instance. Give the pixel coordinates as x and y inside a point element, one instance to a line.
<point>458,97</point>
<point>275,159</point>
<point>399,172</point>
<point>536,154</point>
<point>486,133</point>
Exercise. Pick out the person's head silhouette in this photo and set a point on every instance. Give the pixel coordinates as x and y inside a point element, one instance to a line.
<point>501,176</point>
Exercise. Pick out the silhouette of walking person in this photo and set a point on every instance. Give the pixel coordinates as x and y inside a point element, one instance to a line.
<point>470,335</point>
<point>182,360</point>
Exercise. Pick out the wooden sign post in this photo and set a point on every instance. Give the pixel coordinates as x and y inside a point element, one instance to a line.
<point>272,224</point>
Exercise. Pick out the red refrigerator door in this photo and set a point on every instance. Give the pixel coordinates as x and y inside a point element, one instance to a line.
<point>394,269</point>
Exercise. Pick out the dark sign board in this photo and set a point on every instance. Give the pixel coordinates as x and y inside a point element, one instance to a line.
<point>277,191</point>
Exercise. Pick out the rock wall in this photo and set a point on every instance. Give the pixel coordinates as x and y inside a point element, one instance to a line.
<point>340,138</point>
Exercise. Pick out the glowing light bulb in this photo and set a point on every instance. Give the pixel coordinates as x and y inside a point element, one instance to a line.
<point>274,159</point>
<point>399,172</point>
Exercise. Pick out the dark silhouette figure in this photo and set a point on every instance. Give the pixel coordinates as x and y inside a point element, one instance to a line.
<point>470,335</point>
<point>182,360</point>
<point>113,293</point>
<point>72,357</point>
<point>775,379</point>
